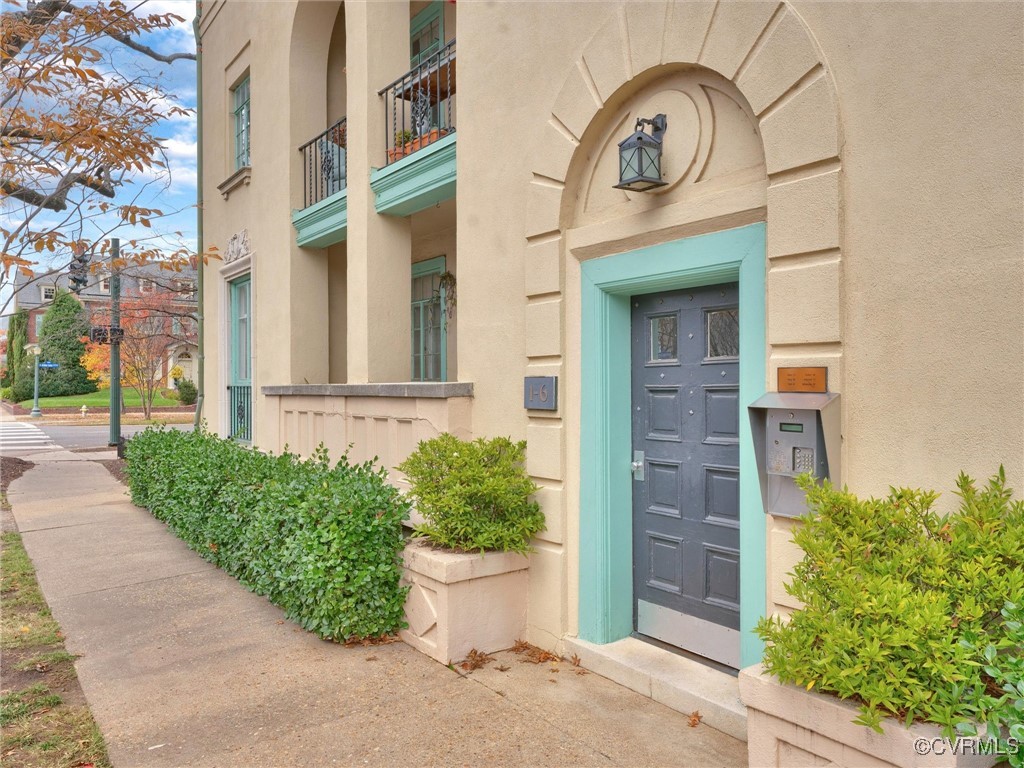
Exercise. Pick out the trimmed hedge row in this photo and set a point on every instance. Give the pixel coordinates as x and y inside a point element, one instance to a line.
<point>323,543</point>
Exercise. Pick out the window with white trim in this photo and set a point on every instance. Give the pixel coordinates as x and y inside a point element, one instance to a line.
<point>48,292</point>
<point>186,289</point>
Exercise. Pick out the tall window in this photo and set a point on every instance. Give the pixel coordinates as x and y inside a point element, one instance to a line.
<point>241,110</point>
<point>429,338</point>
<point>240,385</point>
<point>426,32</point>
<point>240,352</point>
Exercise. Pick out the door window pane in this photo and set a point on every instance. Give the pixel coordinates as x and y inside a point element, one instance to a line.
<point>664,330</point>
<point>723,333</point>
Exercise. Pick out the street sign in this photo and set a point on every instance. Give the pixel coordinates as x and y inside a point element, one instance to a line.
<point>48,364</point>
<point>104,334</point>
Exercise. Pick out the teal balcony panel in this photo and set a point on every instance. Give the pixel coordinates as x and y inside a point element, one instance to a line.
<point>324,223</point>
<point>418,181</point>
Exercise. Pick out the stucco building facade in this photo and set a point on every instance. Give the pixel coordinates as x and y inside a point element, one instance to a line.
<point>844,190</point>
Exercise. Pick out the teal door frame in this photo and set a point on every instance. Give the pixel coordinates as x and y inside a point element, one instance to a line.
<point>606,557</point>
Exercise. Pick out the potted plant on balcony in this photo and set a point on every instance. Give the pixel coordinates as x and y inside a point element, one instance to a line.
<point>908,630</point>
<point>406,142</point>
<point>467,567</point>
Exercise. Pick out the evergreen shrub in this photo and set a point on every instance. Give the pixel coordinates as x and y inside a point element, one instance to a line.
<point>906,610</point>
<point>187,392</point>
<point>60,336</point>
<point>321,542</point>
<point>474,496</point>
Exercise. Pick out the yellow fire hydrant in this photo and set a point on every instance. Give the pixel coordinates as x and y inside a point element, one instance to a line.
<point>85,411</point>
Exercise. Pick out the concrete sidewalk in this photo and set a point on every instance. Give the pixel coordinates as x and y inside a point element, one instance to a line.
<point>182,666</point>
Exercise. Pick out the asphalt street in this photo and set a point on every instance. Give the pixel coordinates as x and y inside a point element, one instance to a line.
<point>75,437</point>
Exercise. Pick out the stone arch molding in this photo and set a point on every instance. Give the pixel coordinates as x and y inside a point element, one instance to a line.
<point>764,50</point>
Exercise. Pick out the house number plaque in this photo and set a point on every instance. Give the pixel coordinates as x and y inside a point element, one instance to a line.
<point>540,393</point>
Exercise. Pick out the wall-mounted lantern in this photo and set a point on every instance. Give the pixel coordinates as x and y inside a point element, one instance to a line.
<point>640,156</point>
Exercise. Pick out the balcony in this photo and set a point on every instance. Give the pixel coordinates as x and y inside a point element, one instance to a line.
<point>419,136</point>
<point>323,219</point>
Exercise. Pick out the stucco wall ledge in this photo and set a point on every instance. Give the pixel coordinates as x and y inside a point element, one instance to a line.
<point>449,567</point>
<point>425,389</point>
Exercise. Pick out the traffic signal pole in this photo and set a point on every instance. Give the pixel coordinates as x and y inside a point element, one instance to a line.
<point>115,343</point>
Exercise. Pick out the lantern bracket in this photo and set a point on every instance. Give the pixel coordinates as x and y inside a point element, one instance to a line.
<point>658,123</point>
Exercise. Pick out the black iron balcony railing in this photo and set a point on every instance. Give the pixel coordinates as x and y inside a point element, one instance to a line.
<point>420,105</point>
<point>324,164</point>
<point>240,413</point>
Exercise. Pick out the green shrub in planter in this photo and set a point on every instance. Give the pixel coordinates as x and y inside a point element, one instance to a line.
<point>474,496</point>
<point>322,542</point>
<point>905,610</point>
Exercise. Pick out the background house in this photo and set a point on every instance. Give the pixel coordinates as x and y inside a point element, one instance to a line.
<point>172,293</point>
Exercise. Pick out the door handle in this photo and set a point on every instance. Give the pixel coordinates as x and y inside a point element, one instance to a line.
<point>637,465</point>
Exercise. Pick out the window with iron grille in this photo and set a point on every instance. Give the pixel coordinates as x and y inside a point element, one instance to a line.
<point>429,329</point>
<point>241,112</point>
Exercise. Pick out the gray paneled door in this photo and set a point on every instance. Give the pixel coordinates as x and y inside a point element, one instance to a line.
<point>686,532</point>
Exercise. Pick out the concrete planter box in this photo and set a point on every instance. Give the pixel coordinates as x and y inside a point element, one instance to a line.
<point>788,727</point>
<point>458,602</point>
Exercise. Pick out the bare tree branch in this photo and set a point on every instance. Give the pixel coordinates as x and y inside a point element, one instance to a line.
<point>146,50</point>
<point>45,11</point>
<point>57,200</point>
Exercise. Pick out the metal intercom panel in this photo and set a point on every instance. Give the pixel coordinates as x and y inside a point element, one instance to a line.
<point>794,433</point>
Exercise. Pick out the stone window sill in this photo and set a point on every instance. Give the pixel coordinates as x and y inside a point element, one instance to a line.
<point>242,176</point>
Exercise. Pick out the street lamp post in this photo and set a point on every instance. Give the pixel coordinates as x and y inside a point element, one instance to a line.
<point>36,350</point>
<point>115,343</point>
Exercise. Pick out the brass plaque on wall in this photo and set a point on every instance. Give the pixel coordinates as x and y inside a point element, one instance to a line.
<point>803,379</point>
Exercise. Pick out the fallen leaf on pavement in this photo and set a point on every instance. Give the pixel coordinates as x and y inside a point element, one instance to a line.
<point>475,660</point>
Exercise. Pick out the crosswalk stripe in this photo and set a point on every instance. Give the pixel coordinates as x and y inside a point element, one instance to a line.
<point>17,434</point>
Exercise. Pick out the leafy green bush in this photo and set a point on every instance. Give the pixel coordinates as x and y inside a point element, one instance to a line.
<point>901,603</point>
<point>5,393</point>
<point>474,495</point>
<point>322,542</point>
<point>187,392</point>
